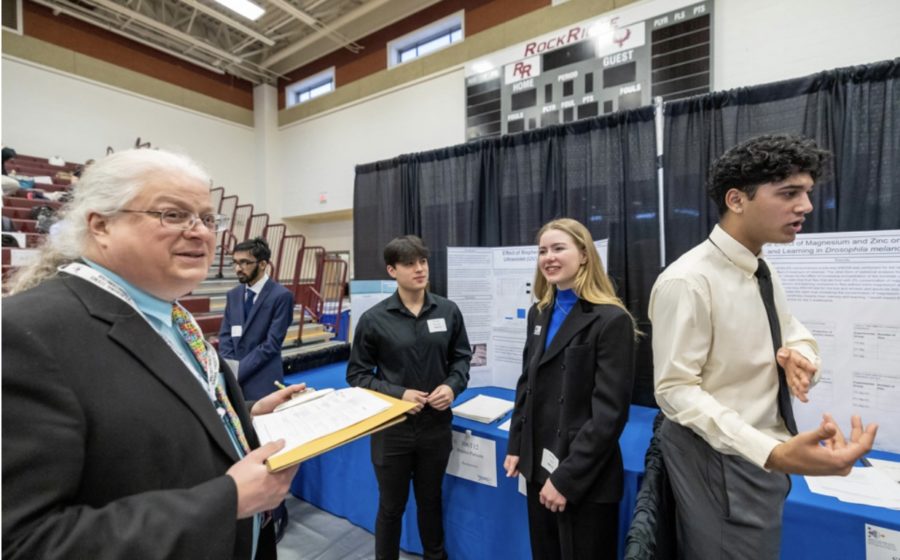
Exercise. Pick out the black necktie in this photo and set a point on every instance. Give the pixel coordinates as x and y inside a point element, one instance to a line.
<point>248,303</point>
<point>768,297</point>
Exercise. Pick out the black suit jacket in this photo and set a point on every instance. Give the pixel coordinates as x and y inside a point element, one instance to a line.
<point>573,400</point>
<point>111,447</point>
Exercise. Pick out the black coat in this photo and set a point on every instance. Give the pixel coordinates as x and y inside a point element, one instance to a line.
<point>573,400</point>
<point>111,448</point>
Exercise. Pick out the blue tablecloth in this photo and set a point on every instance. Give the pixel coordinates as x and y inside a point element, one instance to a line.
<point>823,527</point>
<point>480,521</point>
<point>483,522</point>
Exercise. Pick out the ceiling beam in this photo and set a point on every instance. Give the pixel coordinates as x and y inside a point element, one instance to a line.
<point>309,20</point>
<point>109,27</point>
<point>234,24</point>
<point>319,34</point>
<point>172,32</point>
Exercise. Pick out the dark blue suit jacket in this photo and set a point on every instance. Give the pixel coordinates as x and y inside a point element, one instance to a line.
<point>259,347</point>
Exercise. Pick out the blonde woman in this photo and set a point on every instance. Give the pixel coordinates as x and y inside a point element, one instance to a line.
<point>572,400</point>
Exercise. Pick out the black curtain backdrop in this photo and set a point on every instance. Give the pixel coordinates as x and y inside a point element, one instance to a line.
<point>853,112</point>
<point>602,172</point>
<point>499,192</point>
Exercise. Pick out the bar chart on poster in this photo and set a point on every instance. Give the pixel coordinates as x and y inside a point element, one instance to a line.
<point>617,62</point>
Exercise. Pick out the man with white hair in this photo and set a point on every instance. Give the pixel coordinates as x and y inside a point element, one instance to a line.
<point>123,435</point>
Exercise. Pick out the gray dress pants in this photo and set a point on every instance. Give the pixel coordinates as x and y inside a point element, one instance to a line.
<point>727,507</point>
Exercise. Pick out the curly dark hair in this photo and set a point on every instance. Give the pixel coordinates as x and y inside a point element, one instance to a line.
<point>763,159</point>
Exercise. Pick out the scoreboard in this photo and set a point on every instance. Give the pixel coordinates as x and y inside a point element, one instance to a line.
<point>620,61</point>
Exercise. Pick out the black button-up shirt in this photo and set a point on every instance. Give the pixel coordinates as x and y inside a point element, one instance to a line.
<point>393,350</point>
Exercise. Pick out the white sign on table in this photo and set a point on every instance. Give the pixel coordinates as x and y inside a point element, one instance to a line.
<point>881,543</point>
<point>473,458</point>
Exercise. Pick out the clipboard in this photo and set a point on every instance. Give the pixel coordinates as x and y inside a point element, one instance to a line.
<point>384,419</point>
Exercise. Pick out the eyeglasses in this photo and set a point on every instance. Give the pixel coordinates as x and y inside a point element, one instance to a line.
<point>242,263</point>
<point>184,220</point>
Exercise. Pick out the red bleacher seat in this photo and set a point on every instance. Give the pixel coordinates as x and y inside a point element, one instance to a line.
<point>27,226</point>
<point>21,202</point>
<point>17,213</point>
<point>39,162</point>
<point>195,304</point>
<point>49,187</point>
<point>209,324</point>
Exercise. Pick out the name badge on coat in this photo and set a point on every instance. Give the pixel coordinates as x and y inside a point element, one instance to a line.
<point>549,461</point>
<point>237,330</point>
<point>437,325</point>
<point>537,330</point>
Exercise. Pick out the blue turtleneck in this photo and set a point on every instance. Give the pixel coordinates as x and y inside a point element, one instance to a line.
<point>562,304</point>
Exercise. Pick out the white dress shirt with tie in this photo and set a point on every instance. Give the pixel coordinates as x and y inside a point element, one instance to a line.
<point>714,364</point>
<point>256,288</point>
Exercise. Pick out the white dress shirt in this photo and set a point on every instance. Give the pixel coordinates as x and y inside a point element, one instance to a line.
<point>714,364</point>
<point>257,287</point>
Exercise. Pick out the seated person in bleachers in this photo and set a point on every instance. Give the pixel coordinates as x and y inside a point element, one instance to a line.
<point>10,184</point>
<point>8,154</point>
<point>7,222</point>
<point>76,175</point>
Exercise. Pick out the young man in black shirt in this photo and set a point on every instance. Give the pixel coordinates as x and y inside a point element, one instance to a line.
<point>412,346</point>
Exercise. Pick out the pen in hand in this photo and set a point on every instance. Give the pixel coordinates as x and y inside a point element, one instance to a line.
<point>296,394</point>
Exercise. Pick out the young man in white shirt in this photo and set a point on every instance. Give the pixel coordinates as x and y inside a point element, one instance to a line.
<point>728,355</point>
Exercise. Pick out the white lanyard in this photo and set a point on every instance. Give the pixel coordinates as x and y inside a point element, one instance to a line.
<point>101,281</point>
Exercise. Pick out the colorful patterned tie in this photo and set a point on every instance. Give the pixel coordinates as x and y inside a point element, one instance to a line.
<point>194,338</point>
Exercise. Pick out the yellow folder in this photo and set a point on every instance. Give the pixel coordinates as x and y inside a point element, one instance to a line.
<point>384,419</point>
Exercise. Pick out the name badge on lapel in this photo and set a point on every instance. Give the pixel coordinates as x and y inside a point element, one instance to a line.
<point>237,330</point>
<point>537,330</point>
<point>437,325</point>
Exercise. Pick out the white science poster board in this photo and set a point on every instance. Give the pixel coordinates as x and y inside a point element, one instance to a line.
<point>492,288</point>
<point>845,288</point>
<point>364,294</point>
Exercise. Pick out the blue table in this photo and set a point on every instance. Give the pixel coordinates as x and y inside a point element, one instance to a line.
<point>822,527</point>
<point>485,522</point>
<point>480,521</point>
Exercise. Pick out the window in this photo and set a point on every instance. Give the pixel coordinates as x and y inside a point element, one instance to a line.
<point>12,16</point>
<point>309,88</point>
<point>429,39</point>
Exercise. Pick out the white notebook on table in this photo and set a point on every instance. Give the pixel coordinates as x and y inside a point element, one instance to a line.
<point>483,409</point>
